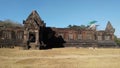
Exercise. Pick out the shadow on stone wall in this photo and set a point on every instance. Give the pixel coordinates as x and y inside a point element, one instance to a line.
<point>49,39</point>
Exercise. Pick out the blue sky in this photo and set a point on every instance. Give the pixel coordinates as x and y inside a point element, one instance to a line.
<point>61,13</point>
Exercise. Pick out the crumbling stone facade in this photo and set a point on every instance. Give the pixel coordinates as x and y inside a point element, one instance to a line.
<point>10,37</point>
<point>33,30</point>
<point>35,35</point>
<point>70,37</point>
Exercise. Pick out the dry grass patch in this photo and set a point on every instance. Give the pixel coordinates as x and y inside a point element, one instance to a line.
<point>60,58</point>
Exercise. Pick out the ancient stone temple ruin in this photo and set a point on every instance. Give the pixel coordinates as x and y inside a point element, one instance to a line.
<point>33,30</point>
<point>38,35</point>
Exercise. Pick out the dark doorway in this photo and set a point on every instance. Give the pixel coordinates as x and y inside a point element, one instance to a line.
<point>32,37</point>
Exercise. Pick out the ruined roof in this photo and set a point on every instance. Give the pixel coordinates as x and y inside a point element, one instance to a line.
<point>34,14</point>
<point>109,27</point>
<point>35,18</point>
<point>33,21</point>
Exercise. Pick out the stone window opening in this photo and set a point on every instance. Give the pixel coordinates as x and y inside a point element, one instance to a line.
<point>89,37</point>
<point>70,36</point>
<point>79,36</point>
<point>19,35</point>
<point>107,37</point>
<point>99,37</point>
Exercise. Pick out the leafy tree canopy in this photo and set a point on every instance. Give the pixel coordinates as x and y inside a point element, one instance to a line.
<point>117,40</point>
<point>77,26</point>
<point>9,23</point>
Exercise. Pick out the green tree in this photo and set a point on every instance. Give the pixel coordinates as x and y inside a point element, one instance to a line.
<point>117,40</point>
<point>77,26</point>
<point>9,23</point>
<point>69,26</point>
<point>83,26</point>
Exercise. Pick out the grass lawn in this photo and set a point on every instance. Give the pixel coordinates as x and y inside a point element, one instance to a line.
<point>60,58</point>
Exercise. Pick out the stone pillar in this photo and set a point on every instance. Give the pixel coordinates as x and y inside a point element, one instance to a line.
<point>113,37</point>
<point>25,41</point>
<point>37,38</point>
<point>25,36</point>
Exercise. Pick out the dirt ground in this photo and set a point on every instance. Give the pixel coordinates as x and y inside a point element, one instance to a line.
<point>60,58</point>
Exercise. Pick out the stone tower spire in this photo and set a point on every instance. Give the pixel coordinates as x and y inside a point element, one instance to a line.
<point>109,27</point>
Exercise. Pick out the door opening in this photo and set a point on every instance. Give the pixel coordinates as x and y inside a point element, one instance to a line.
<point>32,37</point>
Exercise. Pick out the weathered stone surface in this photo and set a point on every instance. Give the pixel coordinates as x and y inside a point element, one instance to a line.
<point>35,35</point>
